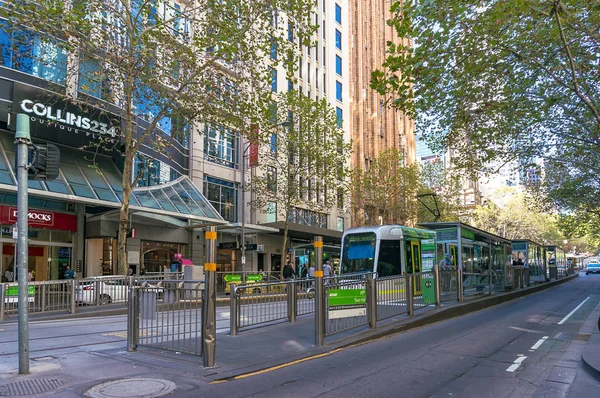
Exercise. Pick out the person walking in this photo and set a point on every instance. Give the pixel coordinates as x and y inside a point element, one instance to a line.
<point>288,271</point>
<point>326,271</point>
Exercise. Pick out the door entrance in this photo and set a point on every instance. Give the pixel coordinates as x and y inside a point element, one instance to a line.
<point>414,266</point>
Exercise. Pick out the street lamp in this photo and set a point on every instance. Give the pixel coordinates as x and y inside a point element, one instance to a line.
<point>243,260</point>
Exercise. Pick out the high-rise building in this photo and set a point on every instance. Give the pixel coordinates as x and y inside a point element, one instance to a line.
<point>374,127</point>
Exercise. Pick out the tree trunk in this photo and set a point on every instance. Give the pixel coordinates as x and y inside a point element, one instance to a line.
<point>284,246</point>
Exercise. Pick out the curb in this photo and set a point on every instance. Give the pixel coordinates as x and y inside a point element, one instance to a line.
<point>594,370</point>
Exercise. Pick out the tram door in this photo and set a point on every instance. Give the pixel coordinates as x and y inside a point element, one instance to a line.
<point>413,259</point>
<point>454,255</point>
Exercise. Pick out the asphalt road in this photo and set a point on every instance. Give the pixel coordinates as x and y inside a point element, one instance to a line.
<point>526,348</point>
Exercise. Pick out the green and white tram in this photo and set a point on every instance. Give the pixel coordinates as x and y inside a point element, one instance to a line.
<point>388,250</point>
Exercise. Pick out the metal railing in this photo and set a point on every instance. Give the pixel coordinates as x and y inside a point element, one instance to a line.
<point>260,303</point>
<point>70,294</point>
<point>391,296</point>
<point>345,317</point>
<point>167,316</point>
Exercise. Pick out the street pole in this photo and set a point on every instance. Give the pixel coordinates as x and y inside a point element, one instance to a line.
<point>319,294</point>
<point>243,260</point>
<point>209,309</point>
<point>22,140</point>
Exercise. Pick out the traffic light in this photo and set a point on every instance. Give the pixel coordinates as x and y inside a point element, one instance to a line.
<point>43,162</point>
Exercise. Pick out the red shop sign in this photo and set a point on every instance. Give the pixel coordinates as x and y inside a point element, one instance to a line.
<point>40,219</point>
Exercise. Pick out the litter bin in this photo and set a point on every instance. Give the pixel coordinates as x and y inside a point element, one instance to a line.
<point>192,274</point>
<point>148,304</point>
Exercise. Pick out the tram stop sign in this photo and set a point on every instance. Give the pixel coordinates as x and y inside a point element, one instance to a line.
<point>428,290</point>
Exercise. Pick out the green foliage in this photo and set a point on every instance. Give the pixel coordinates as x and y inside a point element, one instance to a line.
<point>387,192</point>
<point>303,164</point>
<point>204,61</point>
<point>511,215</point>
<point>504,81</point>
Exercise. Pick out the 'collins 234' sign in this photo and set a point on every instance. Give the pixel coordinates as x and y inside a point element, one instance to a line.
<point>72,119</point>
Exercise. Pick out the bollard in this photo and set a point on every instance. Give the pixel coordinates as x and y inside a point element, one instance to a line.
<point>319,294</point>
<point>459,285</point>
<point>292,302</point>
<point>372,302</point>
<point>130,321</point>
<point>43,295</point>
<point>73,286</point>
<point>409,294</point>
<point>209,308</point>
<point>233,310</point>
<point>97,290</point>
<point>437,285</point>
<point>2,298</point>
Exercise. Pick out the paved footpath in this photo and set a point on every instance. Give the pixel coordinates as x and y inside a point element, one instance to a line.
<point>93,361</point>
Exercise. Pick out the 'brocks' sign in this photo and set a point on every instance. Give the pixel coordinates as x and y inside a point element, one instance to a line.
<point>67,118</point>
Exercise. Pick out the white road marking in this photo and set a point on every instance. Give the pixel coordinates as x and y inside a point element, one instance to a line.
<point>516,364</point>
<point>572,312</point>
<point>539,343</point>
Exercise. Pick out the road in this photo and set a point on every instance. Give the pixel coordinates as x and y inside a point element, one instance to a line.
<point>526,348</point>
<point>529,347</point>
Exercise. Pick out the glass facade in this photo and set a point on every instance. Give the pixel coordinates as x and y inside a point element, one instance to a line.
<point>221,145</point>
<point>308,217</point>
<point>223,196</point>
<point>33,54</point>
<point>338,39</point>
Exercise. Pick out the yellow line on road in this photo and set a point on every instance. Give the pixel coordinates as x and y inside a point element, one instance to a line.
<point>287,364</point>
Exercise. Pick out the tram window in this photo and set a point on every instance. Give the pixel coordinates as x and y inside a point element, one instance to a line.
<point>389,258</point>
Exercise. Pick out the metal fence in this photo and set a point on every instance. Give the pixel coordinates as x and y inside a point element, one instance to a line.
<point>391,296</point>
<point>70,294</point>
<point>167,315</point>
<point>337,319</point>
<point>261,303</point>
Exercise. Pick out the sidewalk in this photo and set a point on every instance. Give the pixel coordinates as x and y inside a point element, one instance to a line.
<point>591,355</point>
<point>72,372</point>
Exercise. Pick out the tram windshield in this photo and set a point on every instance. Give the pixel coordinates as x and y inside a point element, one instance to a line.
<point>358,252</point>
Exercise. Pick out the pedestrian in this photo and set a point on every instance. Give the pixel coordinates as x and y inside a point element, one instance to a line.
<point>143,272</point>
<point>326,271</point>
<point>311,271</point>
<point>130,272</point>
<point>288,271</point>
<point>69,274</point>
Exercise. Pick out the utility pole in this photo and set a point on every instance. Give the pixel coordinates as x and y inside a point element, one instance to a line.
<point>22,140</point>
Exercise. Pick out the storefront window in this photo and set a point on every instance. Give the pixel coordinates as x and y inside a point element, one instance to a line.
<point>158,256</point>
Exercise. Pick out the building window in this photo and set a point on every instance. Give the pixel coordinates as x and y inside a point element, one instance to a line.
<point>290,85</point>
<point>221,145</point>
<point>338,14</point>
<point>223,196</point>
<point>307,217</point>
<point>274,80</point>
<point>340,116</point>
<point>324,83</point>
<point>272,179</point>
<point>338,39</point>
<point>152,172</point>
<point>308,72</point>
<point>273,49</point>
<point>271,212</point>
<point>273,144</point>
<point>317,77</point>
<point>30,53</point>
<point>92,80</point>
<point>338,91</point>
<point>324,31</point>
<point>290,32</point>
<point>340,223</point>
<point>338,65</point>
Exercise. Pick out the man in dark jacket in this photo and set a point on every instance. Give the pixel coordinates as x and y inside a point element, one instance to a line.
<point>288,271</point>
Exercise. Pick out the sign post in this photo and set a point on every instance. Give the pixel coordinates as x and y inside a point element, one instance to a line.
<point>22,140</point>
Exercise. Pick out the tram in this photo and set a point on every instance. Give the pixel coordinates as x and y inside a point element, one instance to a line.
<point>388,250</point>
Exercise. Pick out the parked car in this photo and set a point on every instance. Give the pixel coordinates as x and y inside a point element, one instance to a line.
<point>593,268</point>
<point>103,291</point>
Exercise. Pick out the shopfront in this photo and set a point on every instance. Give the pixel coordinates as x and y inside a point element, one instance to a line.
<point>51,237</point>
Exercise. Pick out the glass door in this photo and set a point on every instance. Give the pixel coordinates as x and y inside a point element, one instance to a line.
<point>415,248</point>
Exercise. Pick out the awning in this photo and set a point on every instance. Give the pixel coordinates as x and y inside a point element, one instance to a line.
<point>307,232</point>
<point>94,179</point>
